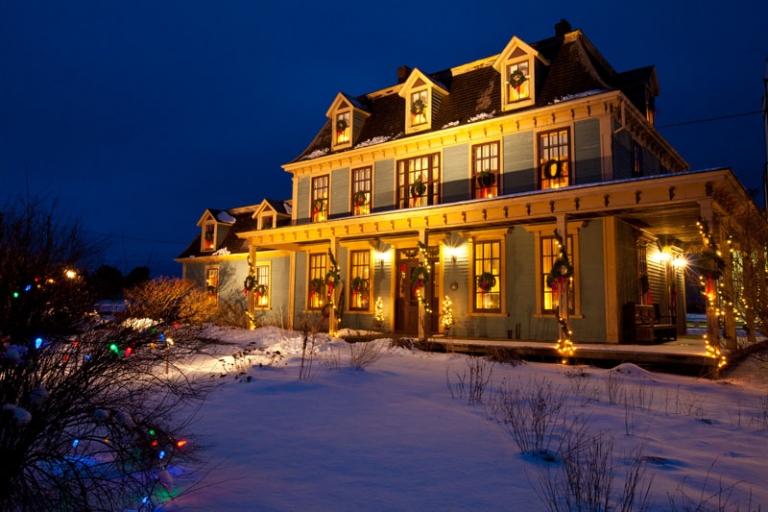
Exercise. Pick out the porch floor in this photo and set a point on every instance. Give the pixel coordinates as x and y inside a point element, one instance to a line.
<point>686,355</point>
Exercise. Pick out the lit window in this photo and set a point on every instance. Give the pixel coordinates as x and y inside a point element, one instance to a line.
<point>418,181</point>
<point>361,191</point>
<point>320,197</point>
<point>212,282</point>
<point>316,288</point>
<point>487,277</point>
<point>550,251</point>
<point>209,236</point>
<point>342,128</point>
<point>485,170</point>
<point>261,290</point>
<point>419,108</point>
<point>518,82</point>
<point>554,154</point>
<point>637,161</point>
<point>360,280</point>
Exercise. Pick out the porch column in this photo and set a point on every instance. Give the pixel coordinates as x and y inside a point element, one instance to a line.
<point>727,310</point>
<point>713,321</point>
<point>249,298</point>
<point>562,291</point>
<point>425,320</point>
<point>611,257</point>
<point>332,327</point>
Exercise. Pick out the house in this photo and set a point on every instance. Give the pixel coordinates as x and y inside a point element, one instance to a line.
<point>530,187</point>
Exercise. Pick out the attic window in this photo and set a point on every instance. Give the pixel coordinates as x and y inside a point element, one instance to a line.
<point>209,236</point>
<point>419,107</point>
<point>267,222</point>
<point>342,128</point>
<point>518,82</point>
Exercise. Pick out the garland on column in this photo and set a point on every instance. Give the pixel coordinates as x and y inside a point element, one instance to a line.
<point>420,278</point>
<point>332,280</point>
<point>558,278</point>
<point>711,263</point>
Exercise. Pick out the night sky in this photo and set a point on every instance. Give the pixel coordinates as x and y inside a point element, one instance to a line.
<point>139,115</point>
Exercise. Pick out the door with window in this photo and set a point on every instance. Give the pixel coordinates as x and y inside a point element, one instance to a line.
<point>408,268</point>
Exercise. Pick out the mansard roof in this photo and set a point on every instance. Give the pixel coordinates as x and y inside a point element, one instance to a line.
<point>576,68</point>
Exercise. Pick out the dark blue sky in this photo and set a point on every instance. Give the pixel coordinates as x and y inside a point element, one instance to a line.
<point>139,115</point>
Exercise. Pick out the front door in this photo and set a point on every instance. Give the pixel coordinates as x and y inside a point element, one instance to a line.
<point>407,303</point>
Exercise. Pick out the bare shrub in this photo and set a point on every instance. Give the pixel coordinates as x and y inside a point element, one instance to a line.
<point>585,479</point>
<point>333,358</point>
<point>613,384</point>
<point>721,499</point>
<point>533,415</point>
<point>456,389</point>
<point>231,314</point>
<point>167,300</point>
<point>310,325</point>
<point>503,355</point>
<point>364,354</point>
<point>406,343</point>
<point>581,387</point>
<point>479,376</point>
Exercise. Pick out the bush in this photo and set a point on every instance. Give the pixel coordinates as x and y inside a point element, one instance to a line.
<point>167,300</point>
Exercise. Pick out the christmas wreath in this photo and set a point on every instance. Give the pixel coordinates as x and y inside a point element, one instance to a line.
<point>332,279</point>
<point>360,198</point>
<point>209,236</point>
<point>418,188</point>
<point>486,179</point>
<point>417,107</point>
<point>486,281</point>
<point>316,286</point>
<point>359,285</point>
<point>341,125</point>
<point>553,169</point>
<point>419,279</point>
<point>211,290</point>
<point>711,264</point>
<point>561,271</point>
<point>516,79</point>
<point>260,290</point>
<point>318,206</point>
<point>250,282</point>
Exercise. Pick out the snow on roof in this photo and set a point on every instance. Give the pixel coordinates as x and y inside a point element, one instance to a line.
<point>225,217</point>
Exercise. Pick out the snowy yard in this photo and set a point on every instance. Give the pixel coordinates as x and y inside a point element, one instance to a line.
<point>395,437</point>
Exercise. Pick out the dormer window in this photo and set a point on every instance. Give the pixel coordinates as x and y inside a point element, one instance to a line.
<point>343,128</point>
<point>267,222</point>
<point>423,96</point>
<point>419,107</point>
<point>518,65</point>
<point>209,236</point>
<point>518,82</point>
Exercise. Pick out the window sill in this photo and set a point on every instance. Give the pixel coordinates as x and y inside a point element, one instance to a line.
<point>553,317</point>
<point>492,314</point>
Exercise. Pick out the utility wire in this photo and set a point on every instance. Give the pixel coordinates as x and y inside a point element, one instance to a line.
<point>710,119</point>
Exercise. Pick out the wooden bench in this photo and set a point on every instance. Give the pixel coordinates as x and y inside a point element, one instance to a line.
<point>644,324</point>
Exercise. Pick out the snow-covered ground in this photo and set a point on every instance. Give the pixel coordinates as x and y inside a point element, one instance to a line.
<point>394,437</point>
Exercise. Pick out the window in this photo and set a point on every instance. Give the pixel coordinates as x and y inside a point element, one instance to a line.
<point>267,222</point>
<point>419,107</point>
<point>487,277</point>
<point>343,128</point>
<point>320,198</point>
<point>261,295</point>
<point>361,191</point>
<point>485,170</point>
<point>360,280</point>
<point>209,236</point>
<point>637,160</point>
<point>316,288</point>
<point>550,250</point>
<point>518,82</point>
<point>212,282</point>
<point>418,181</point>
<point>554,159</point>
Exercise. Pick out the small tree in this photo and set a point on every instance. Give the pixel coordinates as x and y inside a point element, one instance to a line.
<point>166,300</point>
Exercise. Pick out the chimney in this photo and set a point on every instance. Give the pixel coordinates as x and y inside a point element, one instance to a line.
<point>562,28</point>
<point>402,74</point>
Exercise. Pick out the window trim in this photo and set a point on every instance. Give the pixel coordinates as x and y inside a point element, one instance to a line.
<point>369,190</point>
<point>268,265</point>
<point>313,197</point>
<point>217,286</point>
<point>321,275</point>
<point>540,166</point>
<point>209,222</point>
<point>547,231</point>
<point>342,113</point>
<point>433,192</point>
<point>350,259</point>
<point>498,173</point>
<point>500,278</point>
